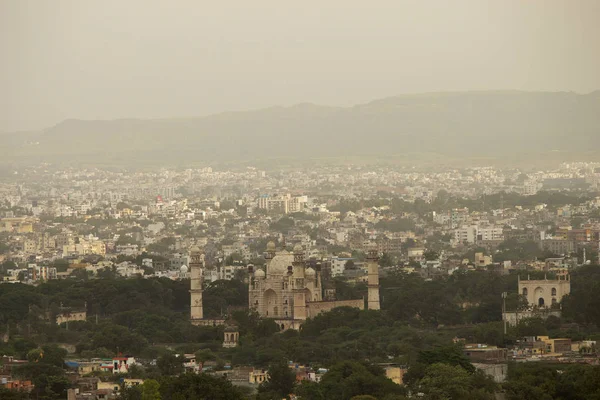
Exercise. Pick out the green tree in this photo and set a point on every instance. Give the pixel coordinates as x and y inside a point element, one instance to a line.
<point>202,386</point>
<point>283,225</point>
<point>348,379</point>
<point>35,355</point>
<point>444,382</point>
<point>6,265</point>
<point>50,387</point>
<point>430,255</point>
<point>47,355</point>
<point>7,394</point>
<point>280,384</point>
<point>150,390</point>
<point>130,393</point>
<point>532,381</point>
<point>118,339</point>
<point>310,390</point>
<point>451,355</point>
<point>61,264</point>
<point>386,260</point>
<point>531,327</point>
<point>170,364</point>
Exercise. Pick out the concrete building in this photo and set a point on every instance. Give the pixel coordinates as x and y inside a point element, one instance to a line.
<point>481,260</point>
<point>338,265</point>
<point>545,293</point>
<point>179,260</point>
<point>71,315</point>
<point>465,234</point>
<point>284,204</point>
<point>491,233</point>
<point>558,246</point>
<point>484,353</point>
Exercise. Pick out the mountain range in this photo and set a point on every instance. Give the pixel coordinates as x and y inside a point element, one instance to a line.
<point>451,125</point>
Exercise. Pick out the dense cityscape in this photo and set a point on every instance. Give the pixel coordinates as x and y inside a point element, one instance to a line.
<point>315,200</point>
<point>298,284</point>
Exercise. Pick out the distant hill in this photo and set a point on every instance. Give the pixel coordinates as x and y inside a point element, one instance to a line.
<point>458,125</point>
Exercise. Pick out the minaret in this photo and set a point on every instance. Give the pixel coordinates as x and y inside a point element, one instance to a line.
<point>196,265</point>
<point>299,264</point>
<point>299,285</point>
<point>269,255</point>
<point>319,282</point>
<point>373,282</point>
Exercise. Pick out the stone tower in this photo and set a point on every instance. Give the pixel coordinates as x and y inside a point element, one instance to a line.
<point>373,281</point>
<point>298,276</point>
<point>196,265</point>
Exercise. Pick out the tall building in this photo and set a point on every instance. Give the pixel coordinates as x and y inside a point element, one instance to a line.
<point>284,203</point>
<point>196,265</point>
<point>196,271</point>
<point>373,280</point>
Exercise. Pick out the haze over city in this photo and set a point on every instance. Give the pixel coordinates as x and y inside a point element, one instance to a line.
<point>152,59</point>
<point>334,200</point>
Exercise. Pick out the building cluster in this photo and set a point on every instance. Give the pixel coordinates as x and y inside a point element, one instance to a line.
<point>287,233</point>
<point>78,213</point>
<point>494,360</point>
<point>69,223</point>
<point>288,290</point>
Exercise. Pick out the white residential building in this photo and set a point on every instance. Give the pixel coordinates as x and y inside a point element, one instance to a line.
<point>465,234</point>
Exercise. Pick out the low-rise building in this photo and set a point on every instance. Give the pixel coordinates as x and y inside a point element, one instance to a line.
<point>485,353</point>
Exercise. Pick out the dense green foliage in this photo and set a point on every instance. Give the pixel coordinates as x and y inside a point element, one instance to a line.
<point>351,379</point>
<point>444,381</point>
<point>415,327</point>
<point>537,381</point>
<point>132,315</point>
<point>184,387</point>
<point>7,394</point>
<point>281,383</point>
<point>46,371</point>
<point>583,304</point>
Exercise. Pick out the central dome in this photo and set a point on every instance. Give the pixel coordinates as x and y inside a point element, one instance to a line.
<point>279,263</point>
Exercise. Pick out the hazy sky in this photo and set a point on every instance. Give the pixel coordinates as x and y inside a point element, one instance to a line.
<point>142,58</point>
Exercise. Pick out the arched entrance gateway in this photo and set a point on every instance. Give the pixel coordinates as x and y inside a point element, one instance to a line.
<point>539,296</point>
<point>271,303</point>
